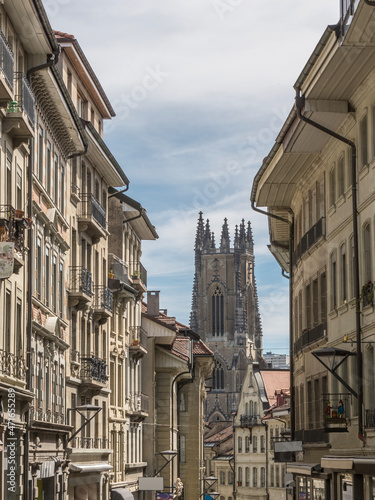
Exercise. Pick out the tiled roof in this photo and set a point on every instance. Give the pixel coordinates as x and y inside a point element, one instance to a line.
<point>274,380</point>
<point>200,349</point>
<point>220,435</point>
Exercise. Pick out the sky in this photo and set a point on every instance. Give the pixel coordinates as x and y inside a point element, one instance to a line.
<point>200,90</point>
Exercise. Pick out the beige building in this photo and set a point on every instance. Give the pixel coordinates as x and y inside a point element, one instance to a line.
<point>128,226</point>
<point>174,373</point>
<point>321,182</point>
<point>257,476</point>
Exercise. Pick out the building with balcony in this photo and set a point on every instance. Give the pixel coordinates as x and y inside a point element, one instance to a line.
<point>318,181</point>
<point>174,373</point>
<point>129,225</point>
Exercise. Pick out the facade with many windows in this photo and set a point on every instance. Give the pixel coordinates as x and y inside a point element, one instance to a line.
<point>325,154</point>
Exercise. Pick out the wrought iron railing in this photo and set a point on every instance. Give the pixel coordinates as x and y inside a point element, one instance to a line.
<point>12,365</point>
<point>138,272</point>
<point>249,420</point>
<point>12,226</point>
<point>370,418</point>
<point>138,336</point>
<point>90,443</point>
<point>309,238</point>
<point>310,336</point>
<point>89,206</point>
<point>50,416</point>
<point>118,268</point>
<point>25,97</point>
<point>80,280</point>
<point>6,60</point>
<point>94,368</point>
<point>103,297</point>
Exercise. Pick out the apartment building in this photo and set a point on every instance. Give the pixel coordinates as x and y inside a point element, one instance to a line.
<point>129,225</point>
<point>176,367</point>
<point>318,179</point>
<point>257,475</point>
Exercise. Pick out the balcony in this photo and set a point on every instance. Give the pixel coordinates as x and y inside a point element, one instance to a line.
<point>249,420</point>
<point>93,372</point>
<point>138,406</point>
<point>12,366</point>
<point>20,117</point>
<point>90,443</point>
<point>12,228</point>
<point>137,341</point>
<point>6,70</point>
<point>80,287</point>
<point>138,277</point>
<point>51,417</point>
<point>92,217</point>
<point>310,336</point>
<point>335,412</point>
<point>118,269</point>
<point>309,239</point>
<point>103,303</point>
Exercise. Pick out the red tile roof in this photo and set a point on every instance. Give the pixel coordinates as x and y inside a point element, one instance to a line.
<point>275,380</point>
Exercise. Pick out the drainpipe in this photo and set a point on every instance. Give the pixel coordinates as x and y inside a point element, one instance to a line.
<point>300,102</point>
<point>291,346</point>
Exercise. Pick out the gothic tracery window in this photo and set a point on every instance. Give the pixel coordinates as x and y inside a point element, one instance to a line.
<point>218,376</point>
<point>218,312</point>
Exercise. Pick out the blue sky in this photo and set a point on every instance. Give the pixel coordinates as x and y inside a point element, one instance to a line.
<point>200,90</point>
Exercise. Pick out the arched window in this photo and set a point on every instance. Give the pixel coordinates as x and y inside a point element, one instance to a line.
<point>218,376</point>
<point>343,277</point>
<point>247,476</point>
<point>255,477</point>
<point>255,444</point>
<point>239,476</point>
<point>262,477</point>
<point>239,446</point>
<point>251,408</point>
<point>217,312</point>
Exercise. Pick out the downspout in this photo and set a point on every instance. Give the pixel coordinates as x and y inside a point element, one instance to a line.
<point>291,346</point>
<point>172,415</point>
<point>300,101</point>
<point>267,489</point>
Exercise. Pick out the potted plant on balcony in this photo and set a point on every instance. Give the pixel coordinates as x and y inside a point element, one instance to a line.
<point>135,342</point>
<point>111,274</point>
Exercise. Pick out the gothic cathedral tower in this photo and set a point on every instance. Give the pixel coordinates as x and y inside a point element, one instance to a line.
<point>225,311</point>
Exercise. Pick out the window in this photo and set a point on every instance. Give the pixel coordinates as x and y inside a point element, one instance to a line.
<point>47,268</point>
<point>363,141</point>
<point>9,178</point>
<point>308,306</point>
<point>332,186</point>
<point>262,477</point>
<point>277,476</point>
<point>38,265</point>
<point>54,284</point>
<point>8,320</point>
<point>62,189</point>
<point>181,401</point>
<point>341,176</point>
<point>239,476</point>
<point>19,200</point>
<point>255,477</point>
<point>222,477</point>
<point>56,179</point>
<point>18,339</point>
<point>239,444</point>
<point>351,266</point>
<point>255,444</point>
<point>367,265</point>
<point>343,289</point>
<point>315,293</point>
<point>61,289</point>
<point>230,477</point>
<point>247,444</point>
<point>333,281</point>
<point>182,449</point>
<point>272,480</point>
<point>217,312</point>
<point>323,298</point>
<point>40,154</point>
<point>247,476</point>
<point>218,376</point>
<point>262,444</point>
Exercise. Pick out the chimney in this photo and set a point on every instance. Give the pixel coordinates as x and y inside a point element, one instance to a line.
<point>153,303</point>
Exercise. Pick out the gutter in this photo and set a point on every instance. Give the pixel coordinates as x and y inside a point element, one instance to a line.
<point>300,102</point>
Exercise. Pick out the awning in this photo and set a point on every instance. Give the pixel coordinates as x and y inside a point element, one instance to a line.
<point>101,467</point>
<point>121,494</point>
<point>359,465</point>
<point>302,468</point>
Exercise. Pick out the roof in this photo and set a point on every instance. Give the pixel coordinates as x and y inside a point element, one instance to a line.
<point>219,436</point>
<point>68,39</point>
<point>273,381</point>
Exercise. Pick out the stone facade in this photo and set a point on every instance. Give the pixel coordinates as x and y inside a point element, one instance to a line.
<point>225,311</point>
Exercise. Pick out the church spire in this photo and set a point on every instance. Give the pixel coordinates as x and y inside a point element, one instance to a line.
<point>207,237</point>
<point>236,237</point>
<point>249,237</point>
<point>242,235</point>
<point>225,241</point>
<point>199,233</point>
<point>213,244</point>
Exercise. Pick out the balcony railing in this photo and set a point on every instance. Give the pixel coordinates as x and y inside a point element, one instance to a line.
<point>6,60</point>
<point>118,268</point>
<point>94,368</point>
<point>90,207</point>
<point>138,272</point>
<point>12,365</point>
<point>309,239</point>
<point>370,418</point>
<point>334,413</point>
<point>249,420</point>
<point>310,336</point>
<point>103,298</point>
<point>24,100</point>
<point>138,336</point>
<point>12,226</point>
<point>90,443</point>
<point>41,415</point>
<point>80,280</point>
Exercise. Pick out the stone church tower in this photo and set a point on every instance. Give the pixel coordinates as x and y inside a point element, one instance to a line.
<point>225,311</point>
